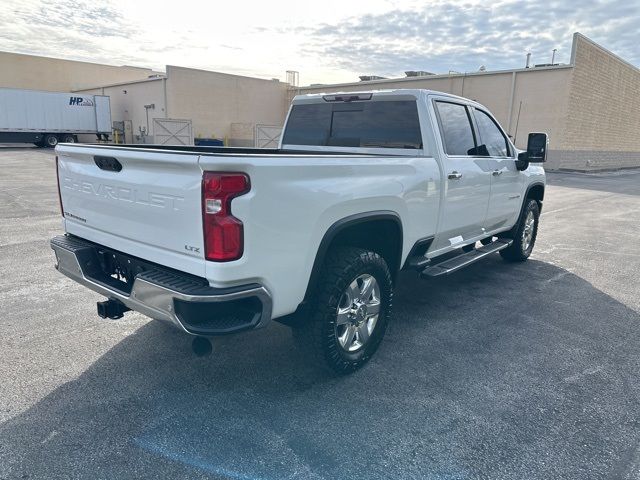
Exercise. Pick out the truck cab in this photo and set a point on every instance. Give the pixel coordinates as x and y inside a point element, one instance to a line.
<point>483,179</point>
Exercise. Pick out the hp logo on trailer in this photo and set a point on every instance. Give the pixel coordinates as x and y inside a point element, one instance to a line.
<point>81,101</point>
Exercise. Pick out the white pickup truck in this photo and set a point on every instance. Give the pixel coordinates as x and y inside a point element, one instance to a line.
<point>221,240</point>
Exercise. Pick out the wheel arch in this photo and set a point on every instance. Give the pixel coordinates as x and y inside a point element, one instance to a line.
<point>380,231</point>
<point>536,192</point>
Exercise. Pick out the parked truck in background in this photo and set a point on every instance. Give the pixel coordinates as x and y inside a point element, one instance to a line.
<point>46,118</point>
<point>223,240</point>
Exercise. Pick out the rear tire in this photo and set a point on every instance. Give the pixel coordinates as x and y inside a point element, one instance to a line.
<point>69,139</point>
<point>50,140</point>
<point>350,310</point>
<point>524,237</point>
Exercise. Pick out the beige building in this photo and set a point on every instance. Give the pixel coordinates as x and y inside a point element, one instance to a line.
<point>590,107</point>
<point>58,75</point>
<point>219,105</point>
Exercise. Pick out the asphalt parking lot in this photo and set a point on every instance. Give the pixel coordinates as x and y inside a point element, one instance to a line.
<point>500,371</point>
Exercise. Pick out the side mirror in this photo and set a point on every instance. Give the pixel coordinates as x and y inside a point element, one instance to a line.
<point>537,147</point>
<point>537,144</point>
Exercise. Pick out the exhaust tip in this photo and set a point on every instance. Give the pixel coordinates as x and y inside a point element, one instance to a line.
<point>201,346</point>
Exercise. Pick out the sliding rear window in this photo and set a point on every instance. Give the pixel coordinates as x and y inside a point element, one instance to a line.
<point>371,124</point>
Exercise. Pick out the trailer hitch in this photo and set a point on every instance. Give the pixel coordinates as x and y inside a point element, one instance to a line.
<point>112,308</point>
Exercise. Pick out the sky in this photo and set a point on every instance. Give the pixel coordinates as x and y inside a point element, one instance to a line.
<point>326,41</point>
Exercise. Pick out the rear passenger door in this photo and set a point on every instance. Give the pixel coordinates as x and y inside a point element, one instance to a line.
<point>467,177</point>
<point>506,180</point>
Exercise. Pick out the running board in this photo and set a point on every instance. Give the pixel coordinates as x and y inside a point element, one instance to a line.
<point>464,259</point>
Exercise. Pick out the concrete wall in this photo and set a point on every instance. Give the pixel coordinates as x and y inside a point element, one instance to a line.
<point>214,101</point>
<point>128,101</point>
<point>57,75</point>
<point>603,121</point>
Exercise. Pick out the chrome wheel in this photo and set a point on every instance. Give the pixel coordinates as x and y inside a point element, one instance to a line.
<point>358,312</point>
<point>527,232</point>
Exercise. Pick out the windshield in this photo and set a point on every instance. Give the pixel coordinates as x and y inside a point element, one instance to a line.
<point>372,124</point>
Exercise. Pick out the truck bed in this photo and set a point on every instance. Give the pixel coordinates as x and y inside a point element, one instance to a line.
<point>151,207</point>
<point>230,151</point>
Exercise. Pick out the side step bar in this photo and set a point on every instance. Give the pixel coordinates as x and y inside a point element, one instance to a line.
<point>462,260</point>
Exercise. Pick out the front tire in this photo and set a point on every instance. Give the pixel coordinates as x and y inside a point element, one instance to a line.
<point>350,310</point>
<point>524,237</point>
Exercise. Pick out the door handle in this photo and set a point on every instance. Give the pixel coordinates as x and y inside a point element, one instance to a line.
<point>495,173</point>
<point>454,175</point>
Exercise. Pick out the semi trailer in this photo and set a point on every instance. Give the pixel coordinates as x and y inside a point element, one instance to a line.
<point>46,118</point>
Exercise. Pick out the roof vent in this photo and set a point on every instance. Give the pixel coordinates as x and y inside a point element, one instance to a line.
<point>418,73</point>
<point>368,78</point>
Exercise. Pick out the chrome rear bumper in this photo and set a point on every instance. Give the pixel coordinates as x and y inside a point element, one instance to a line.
<point>160,293</point>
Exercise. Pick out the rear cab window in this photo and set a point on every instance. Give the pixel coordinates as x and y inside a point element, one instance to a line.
<point>368,124</point>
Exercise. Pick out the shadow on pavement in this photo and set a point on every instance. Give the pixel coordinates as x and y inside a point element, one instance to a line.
<point>510,371</point>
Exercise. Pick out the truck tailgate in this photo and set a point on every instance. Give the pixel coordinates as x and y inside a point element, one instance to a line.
<point>144,203</point>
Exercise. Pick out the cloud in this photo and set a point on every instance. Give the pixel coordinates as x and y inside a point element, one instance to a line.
<point>383,37</point>
<point>76,29</point>
<point>460,36</point>
<point>74,17</point>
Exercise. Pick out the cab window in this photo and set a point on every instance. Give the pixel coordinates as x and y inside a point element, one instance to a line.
<point>455,127</point>
<point>492,141</point>
<point>371,124</point>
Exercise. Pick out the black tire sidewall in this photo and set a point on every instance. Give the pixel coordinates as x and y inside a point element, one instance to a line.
<point>531,206</point>
<point>345,266</point>
<point>46,141</point>
<point>515,253</point>
<point>363,354</point>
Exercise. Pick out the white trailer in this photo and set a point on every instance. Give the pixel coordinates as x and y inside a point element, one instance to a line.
<point>46,118</point>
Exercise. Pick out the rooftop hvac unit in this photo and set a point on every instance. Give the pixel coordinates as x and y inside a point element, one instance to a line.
<point>368,78</point>
<point>418,73</point>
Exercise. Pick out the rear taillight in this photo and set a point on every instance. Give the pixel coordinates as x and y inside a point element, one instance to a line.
<point>223,233</point>
<point>58,180</point>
